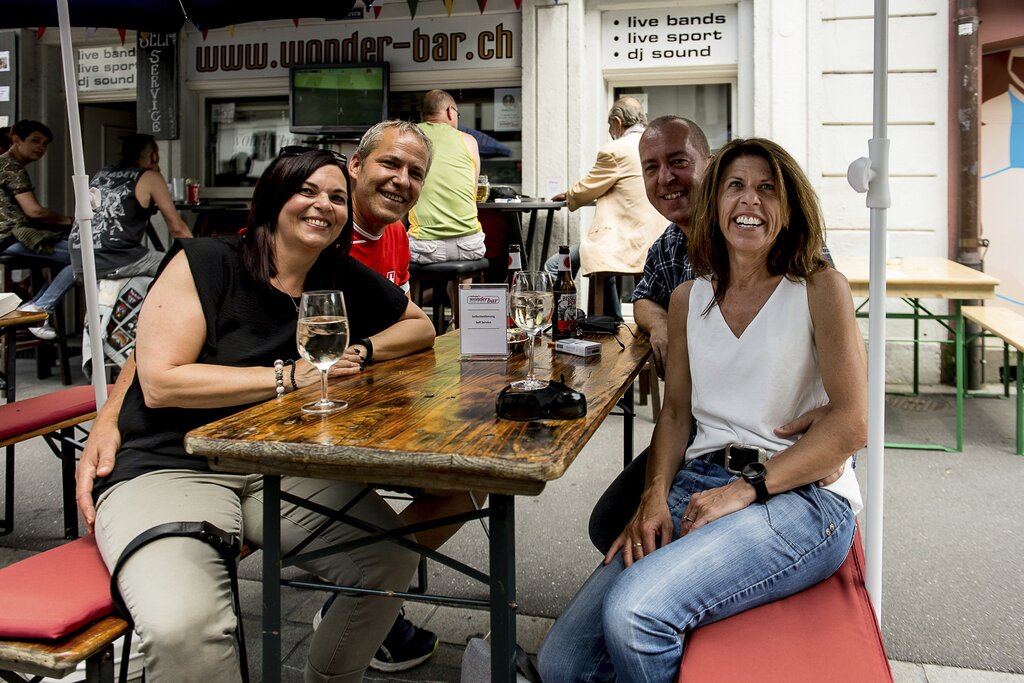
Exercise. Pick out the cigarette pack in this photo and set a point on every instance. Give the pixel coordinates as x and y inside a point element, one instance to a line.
<point>578,347</point>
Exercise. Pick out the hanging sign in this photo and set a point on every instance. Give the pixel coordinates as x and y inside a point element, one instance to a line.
<point>156,93</point>
<point>465,42</point>
<point>106,68</point>
<point>672,36</point>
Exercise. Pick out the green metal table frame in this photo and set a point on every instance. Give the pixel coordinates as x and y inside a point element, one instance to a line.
<point>952,322</point>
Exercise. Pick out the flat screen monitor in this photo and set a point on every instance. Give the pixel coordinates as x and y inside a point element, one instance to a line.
<point>338,99</point>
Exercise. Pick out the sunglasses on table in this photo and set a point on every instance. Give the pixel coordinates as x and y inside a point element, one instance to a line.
<point>296,150</point>
<point>555,401</point>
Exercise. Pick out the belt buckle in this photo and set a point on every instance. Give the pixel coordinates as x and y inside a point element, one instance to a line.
<point>744,455</point>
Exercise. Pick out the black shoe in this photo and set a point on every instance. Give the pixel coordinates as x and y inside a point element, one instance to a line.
<point>405,646</point>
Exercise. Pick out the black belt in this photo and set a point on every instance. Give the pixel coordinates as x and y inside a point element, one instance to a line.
<point>734,457</point>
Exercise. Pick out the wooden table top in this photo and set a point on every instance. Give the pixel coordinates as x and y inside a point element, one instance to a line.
<point>921,277</point>
<point>427,420</point>
<point>1006,324</point>
<point>22,318</point>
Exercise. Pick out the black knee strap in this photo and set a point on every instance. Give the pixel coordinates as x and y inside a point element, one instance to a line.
<point>226,545</point>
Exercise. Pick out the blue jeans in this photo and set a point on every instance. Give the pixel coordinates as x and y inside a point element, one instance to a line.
<point>629,624</point>
<point>49,295</point>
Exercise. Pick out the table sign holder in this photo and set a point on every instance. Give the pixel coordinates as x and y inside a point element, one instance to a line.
<point>483,321</point>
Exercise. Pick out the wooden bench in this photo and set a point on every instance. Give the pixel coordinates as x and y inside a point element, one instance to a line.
<point>62,598</point>
<point>53,416</point>
<point>827,632</point>
<point>1009,326</point>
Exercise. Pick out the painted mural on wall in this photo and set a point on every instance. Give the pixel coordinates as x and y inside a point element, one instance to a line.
<point>1002,168</point>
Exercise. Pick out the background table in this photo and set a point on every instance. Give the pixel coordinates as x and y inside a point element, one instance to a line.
<point>926,277</point>
<point>9,326</point>
<point>425,420</point>
<point>532,207</point>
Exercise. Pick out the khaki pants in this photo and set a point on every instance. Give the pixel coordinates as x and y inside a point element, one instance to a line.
<point>179,593</point>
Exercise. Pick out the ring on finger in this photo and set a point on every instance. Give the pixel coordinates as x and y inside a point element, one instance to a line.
<point>689,519</point>
<point>638,545</point>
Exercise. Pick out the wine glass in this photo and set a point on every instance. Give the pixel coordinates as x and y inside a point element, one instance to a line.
<point>322,337</point>
<point>530,304</point>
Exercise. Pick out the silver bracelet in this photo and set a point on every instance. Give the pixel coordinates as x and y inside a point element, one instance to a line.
<point>279,376</point>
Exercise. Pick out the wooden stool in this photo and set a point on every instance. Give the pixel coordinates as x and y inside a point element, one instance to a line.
<point>54,417</point>
<point>439,276</point>
<point>40,268</point>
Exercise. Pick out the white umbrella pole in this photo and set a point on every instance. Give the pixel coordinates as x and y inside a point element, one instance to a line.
<point>83,209</point>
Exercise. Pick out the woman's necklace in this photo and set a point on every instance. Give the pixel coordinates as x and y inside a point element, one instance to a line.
<point>294,299</point>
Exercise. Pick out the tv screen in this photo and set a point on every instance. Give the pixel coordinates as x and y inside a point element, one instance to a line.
<point>345,99</point>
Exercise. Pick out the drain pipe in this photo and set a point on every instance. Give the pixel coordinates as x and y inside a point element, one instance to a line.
<point>967,107</point>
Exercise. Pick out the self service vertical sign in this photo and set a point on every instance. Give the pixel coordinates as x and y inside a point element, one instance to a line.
<point>156,85</point>
<point>672,37</point>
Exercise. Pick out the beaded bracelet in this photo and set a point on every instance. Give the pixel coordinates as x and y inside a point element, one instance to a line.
<point>295,387</point>
<point>279,376</point>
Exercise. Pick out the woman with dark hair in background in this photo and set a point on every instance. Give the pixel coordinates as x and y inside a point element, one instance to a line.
<point>27,228</point>
<point>124,197</point>
<point>219,314</point>
<point>741,516</point>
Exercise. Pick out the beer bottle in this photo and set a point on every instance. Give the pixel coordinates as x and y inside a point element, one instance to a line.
<point>515,264</point>
<point>565,297</point>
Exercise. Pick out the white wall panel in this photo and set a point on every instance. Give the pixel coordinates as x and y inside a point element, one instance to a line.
<point>846,98</point>
<point>914,43</point>
<point>917,204</point>
<point>916,150</point>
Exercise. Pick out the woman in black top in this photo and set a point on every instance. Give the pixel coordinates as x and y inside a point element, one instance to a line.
<point>218,315</point>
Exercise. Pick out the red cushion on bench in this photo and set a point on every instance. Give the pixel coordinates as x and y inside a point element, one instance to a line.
<point>30,414</point>
<point>826,632</point>
<point>55,592</point>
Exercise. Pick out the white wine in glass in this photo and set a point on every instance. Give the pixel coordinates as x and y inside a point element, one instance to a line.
<point>322,337</point>
<point>530,304</point>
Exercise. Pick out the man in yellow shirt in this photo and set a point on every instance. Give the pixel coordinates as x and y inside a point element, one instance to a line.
<point>443,225</point>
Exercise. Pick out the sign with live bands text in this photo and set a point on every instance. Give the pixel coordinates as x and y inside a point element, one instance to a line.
<point>669,37</point>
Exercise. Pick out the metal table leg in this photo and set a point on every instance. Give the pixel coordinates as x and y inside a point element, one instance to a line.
<point>961,372</point>
<point>271,579</point>
<point>503,589</point>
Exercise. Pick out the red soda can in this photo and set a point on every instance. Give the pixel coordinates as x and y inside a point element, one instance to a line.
<point>192,196</point>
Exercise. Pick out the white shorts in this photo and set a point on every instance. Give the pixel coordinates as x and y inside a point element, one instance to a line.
<point>462,248</point>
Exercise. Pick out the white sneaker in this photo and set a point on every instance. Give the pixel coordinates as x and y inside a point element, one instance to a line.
<point>30,308</point>
<point>45,332</point>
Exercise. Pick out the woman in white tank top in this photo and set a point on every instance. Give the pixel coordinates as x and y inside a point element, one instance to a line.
<point>742,516</point>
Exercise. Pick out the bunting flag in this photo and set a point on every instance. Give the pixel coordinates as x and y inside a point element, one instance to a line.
<point>519,4</point>
<point>296,22</point>
<point>412,7</point>
<point>123,33</point>
<point>448,6</point>
<point>481,4</point>
<point>39,32</point>
<point>90,32</point>
<point>376,11</point>
<point>231,30</point>
<point>205,33</point>
<point>368,3</point>
<point>144,35</point>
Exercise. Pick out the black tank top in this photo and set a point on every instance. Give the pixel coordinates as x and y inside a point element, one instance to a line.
<point>248,324</point>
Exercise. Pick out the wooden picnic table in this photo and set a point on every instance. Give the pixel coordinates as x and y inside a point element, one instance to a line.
<point>425,420</point>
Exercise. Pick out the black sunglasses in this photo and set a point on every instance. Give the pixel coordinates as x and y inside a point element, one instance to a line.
<point>296,150</point>
<point>556,401</point>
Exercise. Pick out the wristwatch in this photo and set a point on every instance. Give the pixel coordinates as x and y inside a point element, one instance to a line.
<point>368,345</point>
<point>753,474</point>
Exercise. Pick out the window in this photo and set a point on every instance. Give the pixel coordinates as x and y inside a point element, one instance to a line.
<point>710,106</point>
<point>494,112</point>
<point>245,135</point>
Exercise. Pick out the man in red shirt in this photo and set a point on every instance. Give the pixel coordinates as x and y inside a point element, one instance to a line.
<point>387,171</point>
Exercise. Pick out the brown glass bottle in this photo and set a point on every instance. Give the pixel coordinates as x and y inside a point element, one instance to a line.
<point>565,297</point>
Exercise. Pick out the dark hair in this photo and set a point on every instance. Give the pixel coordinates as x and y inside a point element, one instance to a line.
<point>695,137</point>
<point>132,147</point>
<point>279,182</point>
<point>796,253</point>
<point>26,127</point>
<point>5,138</point>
